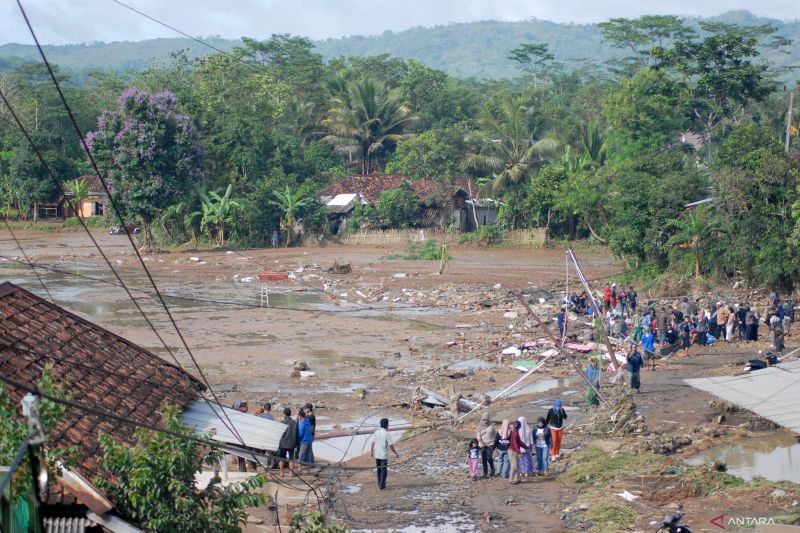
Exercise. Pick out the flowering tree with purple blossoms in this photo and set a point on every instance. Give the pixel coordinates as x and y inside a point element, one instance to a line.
<point>149,152</point>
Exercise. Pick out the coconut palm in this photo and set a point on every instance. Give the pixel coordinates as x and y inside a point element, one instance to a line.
<point>79,192</point>
<point>365,117</point>
<point>594,144</point>
<point>506,145</point>
<point>289,202</point>
<point>693,234</point>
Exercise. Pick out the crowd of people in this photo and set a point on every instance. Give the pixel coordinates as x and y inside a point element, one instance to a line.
<point>295,451</point>
<point>520,450</point>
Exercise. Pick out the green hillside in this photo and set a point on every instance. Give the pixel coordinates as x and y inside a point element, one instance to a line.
<point>476,49</point>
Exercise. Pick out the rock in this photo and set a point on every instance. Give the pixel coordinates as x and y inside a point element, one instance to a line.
<point>400,275</point>
<point>194,259</point>
<point>510,314</point>
<point>778,493</point>
<point>584,507</point>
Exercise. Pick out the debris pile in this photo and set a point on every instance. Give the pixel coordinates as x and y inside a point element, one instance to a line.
<point>617,415</point>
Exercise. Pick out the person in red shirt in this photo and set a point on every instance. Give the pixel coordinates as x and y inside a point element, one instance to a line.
<point>607,297</point>
<point>514,451</point>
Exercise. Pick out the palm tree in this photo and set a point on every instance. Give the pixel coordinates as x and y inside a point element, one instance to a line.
<point>594,144</point>
<point>365,117</point>
<point>216,211</point>
<point>79,191</point>
<point>506,145</point>
<point>289,203</point>
<point>693,234</point>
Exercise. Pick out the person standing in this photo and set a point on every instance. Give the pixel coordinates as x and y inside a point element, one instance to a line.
<point>607,298</point>
<point>684,335</point>
<point>501,444</point>
<point>730,324</point>
<point>648,347</point>
<point>662,321</point>
<point>473,458</point>
<point>555,421</point>
<point>312,421</point>
<point>486,437</point>
<point>632,299</point>
<point>526,458</point>
<point>514,453</point>
<point>542,438</point>
<point>244,464</point>
<point>749,324</point>
<point>635,364</point>
<point>380,451</point>
<point>636,322</point>
<point>788,316</point>
<point>593,375</point>
<point>288,442</point>
<point>276,238</point>
<point>722,321</point>
<point>306,439</point>
<point>265,411</point>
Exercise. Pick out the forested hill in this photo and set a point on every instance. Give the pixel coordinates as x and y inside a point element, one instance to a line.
<point>476,49</point>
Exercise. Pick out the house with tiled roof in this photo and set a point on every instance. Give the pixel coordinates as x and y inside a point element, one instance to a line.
<point>441,203</point>
<point>102,370</point>
<point>93,205</point>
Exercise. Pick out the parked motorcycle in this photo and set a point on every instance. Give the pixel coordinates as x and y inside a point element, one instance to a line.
<point>672,524</point>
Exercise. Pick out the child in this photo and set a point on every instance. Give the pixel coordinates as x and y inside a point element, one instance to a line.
<point>542,442</point>
<point>474,458</point>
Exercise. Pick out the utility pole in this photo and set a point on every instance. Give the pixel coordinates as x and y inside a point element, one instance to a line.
<point>788,139</point>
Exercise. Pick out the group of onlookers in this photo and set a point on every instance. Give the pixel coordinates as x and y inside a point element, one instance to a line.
<point>522,451</point>
<point>295,450</point>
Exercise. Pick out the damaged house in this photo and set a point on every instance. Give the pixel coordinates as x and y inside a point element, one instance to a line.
<point>441,204</point>
<point>104,371</point>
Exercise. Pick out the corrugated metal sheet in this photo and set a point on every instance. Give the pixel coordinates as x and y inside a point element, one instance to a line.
<point>771,393</point>
<point>256,432</point>
<point>67,525</point>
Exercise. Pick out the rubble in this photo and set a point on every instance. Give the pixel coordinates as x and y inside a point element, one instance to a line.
<point>617,415</point>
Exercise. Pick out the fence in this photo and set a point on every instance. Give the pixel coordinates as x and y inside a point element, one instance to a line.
<point>533,238</point>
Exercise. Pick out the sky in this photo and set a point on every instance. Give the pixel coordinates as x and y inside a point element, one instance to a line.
<point>79,21</point>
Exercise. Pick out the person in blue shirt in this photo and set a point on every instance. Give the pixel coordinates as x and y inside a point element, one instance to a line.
<point>593,375</point>
<point>306,439</point>
<point>635,364</point>
<point>649,346</point>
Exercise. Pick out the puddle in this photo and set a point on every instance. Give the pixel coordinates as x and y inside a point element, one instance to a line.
<point>543,385</point>
<point>474,364</point>
<point>454,522</point>
<point>774,456</point>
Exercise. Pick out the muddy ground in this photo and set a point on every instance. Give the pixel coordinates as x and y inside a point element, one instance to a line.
<point>373,335</point>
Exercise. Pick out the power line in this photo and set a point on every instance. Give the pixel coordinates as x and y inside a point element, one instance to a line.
<point>256,66</point>
<point>117,211</point>
<point>25,255</point>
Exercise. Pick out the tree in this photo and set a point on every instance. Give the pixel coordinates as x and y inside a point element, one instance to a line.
<point>505,144</point>
<point>290,203</point>
<point>693,233</point>
<point>79,190</point>
<point>153,482</point>
<point>641,35</point>
<point>721,71</point>
<point>532,59</point>
<point>398,208</point>
<point>150,152</point>
<point>366,118</point>
<point>432,154</point>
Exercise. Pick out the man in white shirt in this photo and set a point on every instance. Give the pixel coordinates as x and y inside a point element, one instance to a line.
<point>380,451</point>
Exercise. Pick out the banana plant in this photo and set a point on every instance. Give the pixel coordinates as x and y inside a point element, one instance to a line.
<point>216,211</point>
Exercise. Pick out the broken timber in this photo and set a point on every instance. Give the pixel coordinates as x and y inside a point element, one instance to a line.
<point>569,356</point>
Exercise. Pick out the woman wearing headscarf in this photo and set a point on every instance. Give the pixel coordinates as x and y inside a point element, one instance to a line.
<point>486,436</point>
<point>555,421</point>
<point>593,375</point>
<point>514,452</point>
<point>501,444</point>
<point>526,458</point>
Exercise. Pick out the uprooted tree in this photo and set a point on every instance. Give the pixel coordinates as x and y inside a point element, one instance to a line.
<point>150,152</point>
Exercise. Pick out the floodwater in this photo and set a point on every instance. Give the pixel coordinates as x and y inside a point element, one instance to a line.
<point>774,455</point>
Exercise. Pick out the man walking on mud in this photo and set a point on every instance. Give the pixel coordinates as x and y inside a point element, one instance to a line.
<point>380,451</point>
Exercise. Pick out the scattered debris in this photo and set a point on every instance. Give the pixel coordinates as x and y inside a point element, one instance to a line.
<point>340,268</point>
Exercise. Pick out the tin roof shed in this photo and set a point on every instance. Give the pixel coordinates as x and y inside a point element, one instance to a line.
<point>770,393</point>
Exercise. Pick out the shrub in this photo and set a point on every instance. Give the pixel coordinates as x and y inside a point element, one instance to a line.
<point>430,250</point>
<point>485,236</point>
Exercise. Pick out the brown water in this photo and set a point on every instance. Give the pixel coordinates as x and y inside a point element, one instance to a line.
<point>773,455</point>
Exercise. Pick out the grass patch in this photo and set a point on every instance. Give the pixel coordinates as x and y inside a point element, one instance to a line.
<point>610,517</point>
<point>430,250</point>
<point>593,466</point>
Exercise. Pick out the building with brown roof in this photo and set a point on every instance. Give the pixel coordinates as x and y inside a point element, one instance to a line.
<point>98,369</point>
<point>441,203</point>
<point>93,205</point>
